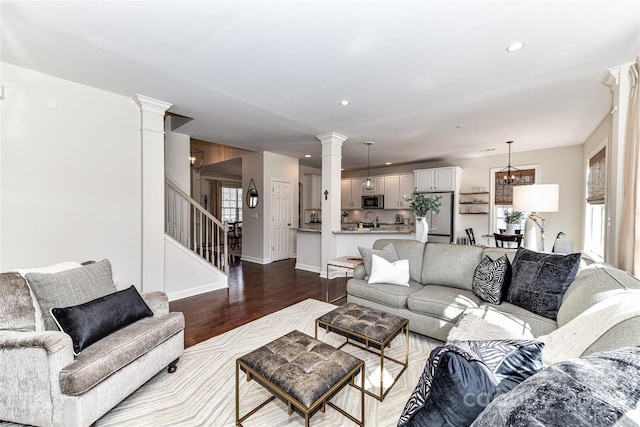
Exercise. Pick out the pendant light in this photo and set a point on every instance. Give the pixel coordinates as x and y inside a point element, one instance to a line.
<point>508,174</point>
<point>367,183</point>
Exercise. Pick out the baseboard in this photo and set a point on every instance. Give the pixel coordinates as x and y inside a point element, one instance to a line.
<point>261,261</point>
<point>185,293</point>
<point>311,268</point>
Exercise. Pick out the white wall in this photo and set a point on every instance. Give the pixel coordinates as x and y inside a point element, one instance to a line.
<point>282,168</point>
<point>264,167</point>
<point>71,185</point>
<point>176,157</point>
<point>561,166</point>
<point>252,219</point>
<point>187,274</point>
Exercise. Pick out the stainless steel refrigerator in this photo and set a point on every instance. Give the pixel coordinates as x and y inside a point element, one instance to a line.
<point>441,224</point>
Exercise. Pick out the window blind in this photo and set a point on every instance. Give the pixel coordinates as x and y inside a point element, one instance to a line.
<point>504,192</point>
<point>596,178</point>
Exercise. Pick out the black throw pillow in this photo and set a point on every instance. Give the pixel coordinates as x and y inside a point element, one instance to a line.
<point>462,378</point>
<point>90,322</point>
<point>540,280</point>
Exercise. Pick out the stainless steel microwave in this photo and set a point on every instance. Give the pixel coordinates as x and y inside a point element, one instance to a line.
<point>375,201</point>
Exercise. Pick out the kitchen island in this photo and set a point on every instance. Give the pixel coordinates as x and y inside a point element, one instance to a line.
<point>348,239</point>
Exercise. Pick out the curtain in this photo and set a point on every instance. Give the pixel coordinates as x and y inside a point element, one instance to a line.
<point>629,239</point>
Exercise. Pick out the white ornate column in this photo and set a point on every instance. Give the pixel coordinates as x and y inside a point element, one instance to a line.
<point>152,164</point>
<point>331,197</point>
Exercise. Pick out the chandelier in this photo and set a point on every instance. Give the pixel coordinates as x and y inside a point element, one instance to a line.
<point>368,183</point>
<point>509,173</point>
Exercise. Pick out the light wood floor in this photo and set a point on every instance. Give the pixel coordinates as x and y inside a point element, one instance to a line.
<point>254,291</point>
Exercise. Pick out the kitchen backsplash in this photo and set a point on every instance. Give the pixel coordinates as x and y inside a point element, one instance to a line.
<point>385,216</point>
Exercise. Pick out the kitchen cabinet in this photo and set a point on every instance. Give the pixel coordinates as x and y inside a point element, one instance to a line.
<point>407,185</point>
<point>437,179</point>
<point>396,186</point>
<point>314,192</point>
<point>351,189</point>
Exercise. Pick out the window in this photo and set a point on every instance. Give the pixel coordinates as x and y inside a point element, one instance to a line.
<point>503,197</point>
<point>596,178</point>
<point>595,212</point>
<point>231,204</point>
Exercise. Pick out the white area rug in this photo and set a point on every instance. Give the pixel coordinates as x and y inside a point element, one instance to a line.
<point>202,391</point>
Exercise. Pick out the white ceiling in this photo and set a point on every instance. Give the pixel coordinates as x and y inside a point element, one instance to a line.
<point>269,75</point>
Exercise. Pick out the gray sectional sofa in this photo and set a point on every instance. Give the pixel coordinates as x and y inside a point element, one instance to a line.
<point>43,382</point>
<point>600,310</point>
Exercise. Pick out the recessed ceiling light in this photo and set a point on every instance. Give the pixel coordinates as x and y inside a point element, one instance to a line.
<point>515,46</point>
<point>388,163</point>
<point>307,155</point>
<point>345,102</point>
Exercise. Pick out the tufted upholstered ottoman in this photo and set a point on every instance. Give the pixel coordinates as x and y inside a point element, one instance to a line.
<point>372,328</point>
<point>301,371</point>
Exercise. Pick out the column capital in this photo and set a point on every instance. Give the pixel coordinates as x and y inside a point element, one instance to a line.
<point>331,137</point>
<point>151,105</point>
<point>611,77</point>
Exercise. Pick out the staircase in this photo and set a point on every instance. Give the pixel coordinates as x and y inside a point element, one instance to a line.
<point>195,228</point>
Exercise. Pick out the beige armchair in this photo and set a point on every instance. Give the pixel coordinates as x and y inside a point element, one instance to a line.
<point>45,384</point>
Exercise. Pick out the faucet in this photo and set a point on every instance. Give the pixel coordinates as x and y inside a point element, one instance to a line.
<point>372,221</point>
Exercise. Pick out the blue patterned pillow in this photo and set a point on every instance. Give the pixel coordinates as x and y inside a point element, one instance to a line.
<point>462,378</point>
<point>490,277</point>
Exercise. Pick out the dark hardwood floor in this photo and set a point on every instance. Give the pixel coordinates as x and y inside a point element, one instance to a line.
<point>254,291</point>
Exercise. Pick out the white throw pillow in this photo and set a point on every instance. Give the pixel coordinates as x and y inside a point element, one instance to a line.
<point>383,271</point>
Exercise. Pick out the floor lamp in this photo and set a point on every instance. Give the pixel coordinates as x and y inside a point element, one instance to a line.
<point>535,198</point>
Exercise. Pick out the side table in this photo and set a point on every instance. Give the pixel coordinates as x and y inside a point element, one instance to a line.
<point>304,373</point>
<point>347,263</point>
<point>374,329</point>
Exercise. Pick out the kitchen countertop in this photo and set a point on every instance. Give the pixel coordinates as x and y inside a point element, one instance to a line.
<point>384,229</point>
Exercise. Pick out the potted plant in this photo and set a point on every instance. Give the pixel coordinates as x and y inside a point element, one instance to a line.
<point>512,219</point>
<point>421,204</point>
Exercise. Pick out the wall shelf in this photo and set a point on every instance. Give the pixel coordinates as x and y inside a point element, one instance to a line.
<point>472,199</point>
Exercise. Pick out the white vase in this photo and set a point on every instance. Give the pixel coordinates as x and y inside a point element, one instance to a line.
<point>422,229</point>
<point>511,229</point>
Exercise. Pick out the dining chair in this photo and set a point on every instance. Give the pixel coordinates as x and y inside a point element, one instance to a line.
<point>501,239</point>
<point>235,234</point>
<point>472,238</point>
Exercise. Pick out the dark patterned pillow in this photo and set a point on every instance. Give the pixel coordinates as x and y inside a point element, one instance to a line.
<point>602,389</point>
<point>460,379</point>
<point>490,278</point>
<point>540,280</point>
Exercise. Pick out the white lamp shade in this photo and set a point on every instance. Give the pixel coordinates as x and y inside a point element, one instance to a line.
<point>536,198</point>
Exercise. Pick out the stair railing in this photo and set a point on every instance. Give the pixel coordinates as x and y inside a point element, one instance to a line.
<point>195,228</point>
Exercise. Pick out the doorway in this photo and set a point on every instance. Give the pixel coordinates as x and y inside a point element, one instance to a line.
<point>282,214</point>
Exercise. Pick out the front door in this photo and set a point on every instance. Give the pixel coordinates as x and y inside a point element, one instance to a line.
<point>282,214</point>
